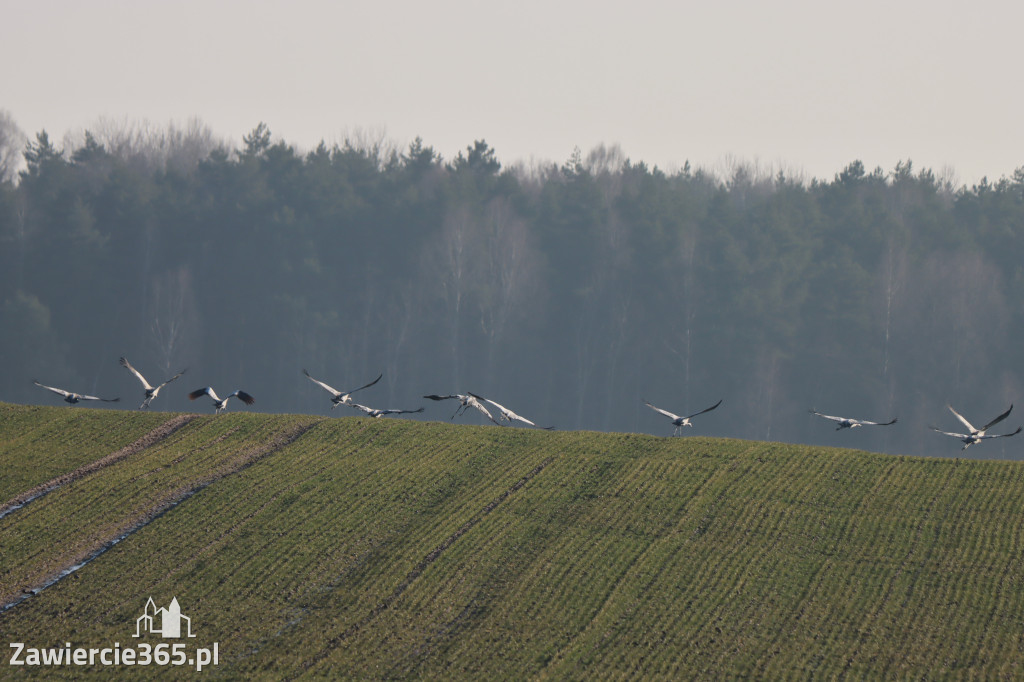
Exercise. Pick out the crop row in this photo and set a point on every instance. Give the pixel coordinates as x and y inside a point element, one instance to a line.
<point>74,521</point>
<point>358,548</point>
<point>283,529</point>
<point>39,443</point>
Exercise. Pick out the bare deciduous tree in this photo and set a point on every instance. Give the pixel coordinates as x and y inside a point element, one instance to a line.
<point>12,143</point>
<point>149,148</point>
<point>173,316</point>
<point>510,276</point>
<point>457,260</point>
<point>893,275</point>
<point>372,144</point>
<point>958,311</point>
<point>397,323</point>
<point>604,160</point>
<point>684,292</point>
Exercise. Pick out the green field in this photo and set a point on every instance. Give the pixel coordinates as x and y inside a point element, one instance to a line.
<point>375,549</point>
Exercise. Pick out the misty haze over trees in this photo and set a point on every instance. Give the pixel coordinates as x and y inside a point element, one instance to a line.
<point>567,292</point>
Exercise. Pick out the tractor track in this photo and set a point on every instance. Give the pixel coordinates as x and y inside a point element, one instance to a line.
<point>155,436</point>
<point>129,526</point>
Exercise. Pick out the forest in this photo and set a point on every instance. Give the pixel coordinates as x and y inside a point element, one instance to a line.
<point>569,291</point>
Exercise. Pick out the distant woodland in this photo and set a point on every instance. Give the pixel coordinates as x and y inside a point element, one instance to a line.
<point>568,291</point>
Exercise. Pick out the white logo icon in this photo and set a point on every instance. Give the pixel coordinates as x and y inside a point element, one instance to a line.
<point>161,621</point>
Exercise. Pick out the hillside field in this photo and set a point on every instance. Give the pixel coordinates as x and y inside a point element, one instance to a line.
<point>353,548</point>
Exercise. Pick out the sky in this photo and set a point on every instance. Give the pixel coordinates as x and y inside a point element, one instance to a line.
<point>799,86</point>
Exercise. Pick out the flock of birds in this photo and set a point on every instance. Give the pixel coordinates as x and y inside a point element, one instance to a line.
<point>973,435</point>
<point>505,416</point>
<point>337,398</point>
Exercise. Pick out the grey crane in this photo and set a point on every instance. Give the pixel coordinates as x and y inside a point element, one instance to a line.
<point>507,415</point>
<point>465,401</point>
<point>678,421</point>
<point>377,414</point>
<point>71,397</point>
<point>849,423</point>
<point>220,404</point>
<point>340,397</point>
<point>976,435</point>
<point>151,391</point>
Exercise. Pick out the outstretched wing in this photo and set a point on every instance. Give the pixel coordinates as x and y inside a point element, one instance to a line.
<point>1004,435</point>
<point>244,397</point>
<point>867,423</point>
<point>509,414</point>
<point>949,433</point>
<point>998,419</point>
<point>173,378</point>
<point>367,385</point>
<point>504,412</point>
<point>706,409</point>
<point>329,389</point>
<point>362,408</point>
<point>664,412</point>
<point>970,427</point>
<point>477,405</point>
<point>138,375</point>
<point>513,415</point>
<point>58,391</point>
<point>402,411</point>
<point>441,397</point>
<point>827,416</point>
<point>203,391</point>
<point>92,397</point>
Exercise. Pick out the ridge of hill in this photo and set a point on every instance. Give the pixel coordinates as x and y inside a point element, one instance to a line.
<point>358,548</point>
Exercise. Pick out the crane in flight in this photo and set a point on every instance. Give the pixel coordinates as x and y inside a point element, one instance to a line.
<point>218,403</point>
<point>678,421</point>
<point>849,423</point>
<point>465,401</point>
<point>151,391</point>
<point>377,414</point>
<point>71,397</point>
<point>976,435</point>
<point>507,415</point>
<point>340,397</point>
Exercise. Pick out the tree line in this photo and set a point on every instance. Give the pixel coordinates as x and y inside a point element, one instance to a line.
<point>567,291</point>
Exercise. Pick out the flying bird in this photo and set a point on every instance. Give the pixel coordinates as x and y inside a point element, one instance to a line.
<point>983,429</point>
<point>465,401</point>
<point>151,391</point>
<point>976,435</point>
<point>340,397</point>
<point>377,414</point>
<point>71,397</point>
<point>218,403</point>
<point>848,423</point>
<point>507,415</point>
<point>677,421</point>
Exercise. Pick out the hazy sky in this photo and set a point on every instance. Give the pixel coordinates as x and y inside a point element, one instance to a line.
<point>791,84</point>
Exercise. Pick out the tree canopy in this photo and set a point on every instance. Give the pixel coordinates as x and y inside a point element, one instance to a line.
<point>565,291</point>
